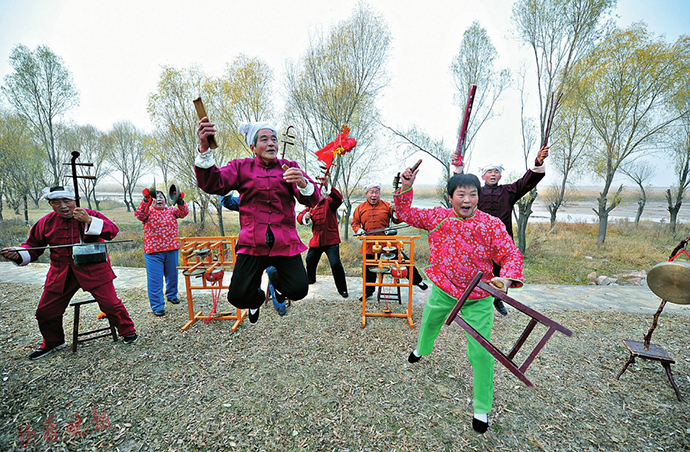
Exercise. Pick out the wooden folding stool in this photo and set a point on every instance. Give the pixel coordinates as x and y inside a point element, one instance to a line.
<point>507,360</point>
<point>104,332</point>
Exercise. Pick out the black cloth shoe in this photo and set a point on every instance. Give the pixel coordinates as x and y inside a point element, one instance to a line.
<point>344,294</point>
<point>479,426</point>
<point>253,318</point>
<point>500,307</point>
<point>174,301</point>
<point>130,338</point>
<point>367,296</point>
<point>44,351</point>
<point>413,358</point>
<point>159,313</point>
<point>282,310</point>
<point>422,285</point>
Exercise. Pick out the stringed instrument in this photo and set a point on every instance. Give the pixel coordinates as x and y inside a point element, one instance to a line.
<point>85,253</point>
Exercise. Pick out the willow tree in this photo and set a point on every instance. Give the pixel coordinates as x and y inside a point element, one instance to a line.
<point>246,89</point>
<point>243,94</point>
<point>623,86</point>
<point>41,90</point>
<point>679,151</point>
<point>126,150</point>
<point>475,65</point>
<point>337,82</point>
<point>558,32</point>
<point>91,143</point>
<point>21,159</point>
<point>175,120</point>
<point>572,135</point>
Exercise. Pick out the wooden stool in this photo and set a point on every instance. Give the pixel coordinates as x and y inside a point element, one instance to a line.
<point>75,329</point>
<point>654,353</point>
<point>535,318</point>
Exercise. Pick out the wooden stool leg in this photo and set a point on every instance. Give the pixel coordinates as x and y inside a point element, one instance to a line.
<point>625,367</point>
<point>75,329</point>
<point>113,331</point>
<point>667,366</point>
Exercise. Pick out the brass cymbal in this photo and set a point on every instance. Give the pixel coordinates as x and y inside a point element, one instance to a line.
<point>670,281</point>
<point>379,269</point>
<point>387,256</point>
<point>195,272</point>
<point>389,249</point>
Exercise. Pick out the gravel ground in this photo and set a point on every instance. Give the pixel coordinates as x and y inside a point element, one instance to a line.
<point>315,380</point>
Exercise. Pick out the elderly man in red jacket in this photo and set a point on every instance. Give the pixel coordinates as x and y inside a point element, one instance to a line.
<point>326,239</point>
<point>61,227</point>
<point>268,187</point>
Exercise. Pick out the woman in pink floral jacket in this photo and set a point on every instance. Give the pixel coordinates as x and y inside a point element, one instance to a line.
<point>161,247</point>
<point>462,240</point>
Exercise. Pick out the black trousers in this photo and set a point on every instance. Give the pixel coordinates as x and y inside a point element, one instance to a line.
<point>288,277</point>
<point>371,276</point>
<point>333,254</point>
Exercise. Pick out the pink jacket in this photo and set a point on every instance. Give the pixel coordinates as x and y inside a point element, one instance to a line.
<point>265,200</point>
<point>459,247</point>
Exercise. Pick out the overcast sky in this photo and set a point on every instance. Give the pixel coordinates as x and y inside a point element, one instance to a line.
<point>115,50</point>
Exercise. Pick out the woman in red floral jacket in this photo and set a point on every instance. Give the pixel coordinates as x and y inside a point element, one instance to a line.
<point>161,247</point>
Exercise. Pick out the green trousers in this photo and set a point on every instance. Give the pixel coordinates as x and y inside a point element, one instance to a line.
<point>480,315</point>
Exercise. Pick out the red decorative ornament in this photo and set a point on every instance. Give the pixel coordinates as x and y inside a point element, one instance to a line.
<point>342,144</point>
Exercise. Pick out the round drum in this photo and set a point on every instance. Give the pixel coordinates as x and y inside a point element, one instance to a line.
<point>214,276</point>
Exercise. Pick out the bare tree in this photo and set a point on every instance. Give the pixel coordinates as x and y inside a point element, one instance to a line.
<point>91,144</point>
<point>625,101</point>
<point>174,117</point>
<point>475,65</point>
<point>558,33</point>
<point>126,155</point>
<point>337,82</point>
<point>41,90</point>
<point>523,207</point>
<point>640,173</point>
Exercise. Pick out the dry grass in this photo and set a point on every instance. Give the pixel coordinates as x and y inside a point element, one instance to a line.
<point>569,252</point>
<point>315,380</point>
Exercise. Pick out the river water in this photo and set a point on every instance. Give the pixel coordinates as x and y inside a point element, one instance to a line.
<point>581,211</point>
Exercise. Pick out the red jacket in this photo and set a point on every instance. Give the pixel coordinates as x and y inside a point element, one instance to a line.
<point>160,226</point>
<point>266,200</point>
<point>324,220</point>
<point>54,230</point>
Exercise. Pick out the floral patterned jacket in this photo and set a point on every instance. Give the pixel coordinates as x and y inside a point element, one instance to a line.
<point>459,247</point>
<point>160,226</point>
